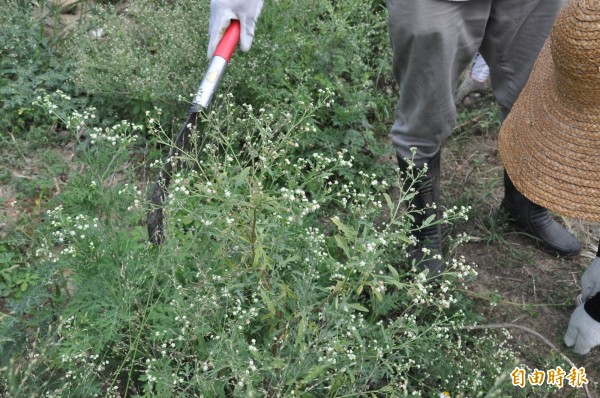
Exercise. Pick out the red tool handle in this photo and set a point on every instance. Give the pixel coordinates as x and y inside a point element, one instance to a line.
<point>229,41</point>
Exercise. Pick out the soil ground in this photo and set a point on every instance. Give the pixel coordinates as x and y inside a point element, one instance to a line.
<point>531,288</point>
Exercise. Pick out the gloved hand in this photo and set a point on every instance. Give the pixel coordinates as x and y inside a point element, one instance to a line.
<point>583,332</point>
<point>590,280</point>
<point>222,11</point>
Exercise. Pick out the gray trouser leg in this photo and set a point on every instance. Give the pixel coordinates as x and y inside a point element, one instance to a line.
<point>515,33</point>
<point>433,41</point>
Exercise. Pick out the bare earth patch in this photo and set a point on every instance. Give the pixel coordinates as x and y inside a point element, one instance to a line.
<point>517,283</point>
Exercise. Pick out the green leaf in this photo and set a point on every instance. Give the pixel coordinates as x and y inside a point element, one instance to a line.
<point>269,303</point>
<point>242,177</point>
<point>391,281</point>
<point>429,220</point>
<point>358,307</point>
<point>314,372</point>
<point>389,202</point>
<point>187,221</point>
<point>342,244</point>
<point>301,332</point>
<point>359,289</point>
<point>349,233</point>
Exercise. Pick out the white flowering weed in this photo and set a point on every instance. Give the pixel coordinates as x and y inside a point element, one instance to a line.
<point>284,271</point>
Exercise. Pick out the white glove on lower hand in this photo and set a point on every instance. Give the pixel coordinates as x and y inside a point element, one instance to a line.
<point>583,332</point>
<point>223,11</point>
<point>590,280</point>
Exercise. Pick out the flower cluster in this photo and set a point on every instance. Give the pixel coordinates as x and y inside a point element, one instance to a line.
<point>70,234</point>
<point>133,194</point>
<point>121,133</point>
<point>82,122</point>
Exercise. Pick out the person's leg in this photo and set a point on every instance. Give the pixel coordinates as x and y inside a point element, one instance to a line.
<point>514,36</point>
<point>515,33</point>
<point>433,41</point>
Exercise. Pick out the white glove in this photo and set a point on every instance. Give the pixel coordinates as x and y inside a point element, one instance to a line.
<point>223,11</point>
<point>590,280</point>
<point>584,331</point>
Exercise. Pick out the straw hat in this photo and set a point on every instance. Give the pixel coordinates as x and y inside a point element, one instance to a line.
<point>550,141</point>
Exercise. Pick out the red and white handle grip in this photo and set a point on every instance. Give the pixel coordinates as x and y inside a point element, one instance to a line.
<point>217,67</point>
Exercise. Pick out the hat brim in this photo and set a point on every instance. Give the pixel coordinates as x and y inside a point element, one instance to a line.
<point>551,148</point>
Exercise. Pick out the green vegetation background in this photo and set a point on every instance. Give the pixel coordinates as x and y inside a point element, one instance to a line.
<point>284,272</point>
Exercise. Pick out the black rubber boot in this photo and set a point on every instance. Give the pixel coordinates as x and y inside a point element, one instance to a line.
<point>536,220</point>
<point>428,251</point>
